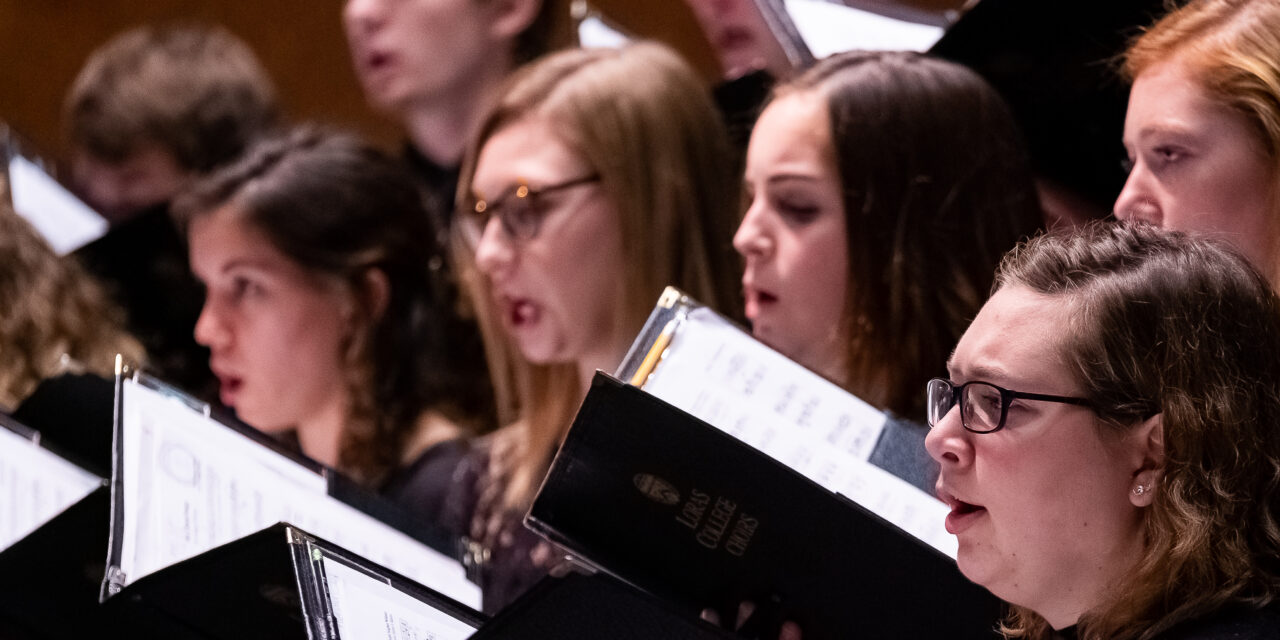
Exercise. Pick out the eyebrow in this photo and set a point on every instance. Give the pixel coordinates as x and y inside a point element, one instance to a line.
<point>786,177</point>
<point>1160,128</point>
<point>985,373</point>
<point>249,263</point>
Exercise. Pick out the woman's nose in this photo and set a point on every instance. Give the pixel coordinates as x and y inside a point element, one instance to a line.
<point>1137,200</point>
<point>753,237</point>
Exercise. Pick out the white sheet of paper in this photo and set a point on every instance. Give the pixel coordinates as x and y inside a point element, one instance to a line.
<point>732,381</point>
<point>65,222</point>
<point>596,33</point>
<point>725,377</point>
<point>191,484</point>
<point>367,608</point>
<point>35,486</point>
<point>831,28</point>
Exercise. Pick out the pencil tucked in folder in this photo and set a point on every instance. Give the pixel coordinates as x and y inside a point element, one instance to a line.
<point>682,510</point>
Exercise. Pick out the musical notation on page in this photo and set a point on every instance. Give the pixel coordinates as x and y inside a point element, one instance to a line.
<point>35,486</point>
<point>191,484</point>
<point>366,607</point>
<point>722,375</point>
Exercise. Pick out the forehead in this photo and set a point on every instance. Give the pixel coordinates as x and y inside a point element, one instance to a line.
<point>794,129</point>
<point>1169,97</point>
<point>1016,340</point>
<point>526,150</point>
<point>224,235</point>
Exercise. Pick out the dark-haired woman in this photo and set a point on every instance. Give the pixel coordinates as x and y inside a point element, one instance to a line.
<point>883,188</point>
<point>321,314</point>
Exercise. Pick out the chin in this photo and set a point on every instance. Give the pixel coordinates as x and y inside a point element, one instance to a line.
<point>979,572</point>
<point>263,423</point>
<point>542,354</point>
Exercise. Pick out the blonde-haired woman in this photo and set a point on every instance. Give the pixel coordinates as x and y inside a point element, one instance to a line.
<point>51,313</point>
<point>1203,126</point>
<point>600,177</point>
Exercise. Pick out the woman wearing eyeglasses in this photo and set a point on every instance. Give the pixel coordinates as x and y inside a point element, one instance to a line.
<point>601,177</point>
<point>1109,441</point>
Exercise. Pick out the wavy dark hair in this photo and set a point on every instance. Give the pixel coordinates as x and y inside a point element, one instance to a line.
<point>937,186</point>
<point>338,207</point>
<point>1165,323</point>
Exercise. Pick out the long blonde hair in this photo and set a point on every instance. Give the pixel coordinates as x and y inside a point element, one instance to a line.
<point>50,308</point>
<point>642,119</point>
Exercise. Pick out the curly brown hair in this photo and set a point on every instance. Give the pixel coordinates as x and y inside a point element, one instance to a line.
<point>1165,323</point>
<point>50,308</point>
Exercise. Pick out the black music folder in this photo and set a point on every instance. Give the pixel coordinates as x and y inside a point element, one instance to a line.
<point>282,583</point>
<point>674,506</point>
<point>51,573</point>
<point>581,607</point>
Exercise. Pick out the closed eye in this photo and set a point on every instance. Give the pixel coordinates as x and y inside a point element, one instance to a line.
<point>243,288</point>
<point>796,211</point>
<point>1163,156</point>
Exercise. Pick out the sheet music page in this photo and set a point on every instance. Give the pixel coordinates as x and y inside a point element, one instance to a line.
<point>367,608</point>
<point>723,376</point>
<point>718,373</point>
<point>35,486</point>
<point>192,484</point>
<point>832,28</point>
<point>65,222</point>
<point>383,544</point>
<point>897,501</point>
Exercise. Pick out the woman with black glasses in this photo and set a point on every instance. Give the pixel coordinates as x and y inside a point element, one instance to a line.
<point>1108,440</point>
<point>600,177</point>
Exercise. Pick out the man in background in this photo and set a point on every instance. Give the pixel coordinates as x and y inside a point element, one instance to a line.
<point>150,109</point>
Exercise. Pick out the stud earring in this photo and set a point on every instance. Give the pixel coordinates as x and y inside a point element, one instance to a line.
<point>1139,490</point>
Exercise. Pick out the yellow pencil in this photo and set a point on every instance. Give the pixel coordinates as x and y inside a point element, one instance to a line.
<point>655,352</point>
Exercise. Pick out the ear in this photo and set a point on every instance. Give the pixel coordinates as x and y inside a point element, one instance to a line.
<point>374,293</point>
<point>510,18</point>
<point>1148,455</point>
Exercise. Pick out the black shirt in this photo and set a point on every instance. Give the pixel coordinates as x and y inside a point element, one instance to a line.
<point>470,401</point>
<point>143,264</point>
<point>1232,623</point>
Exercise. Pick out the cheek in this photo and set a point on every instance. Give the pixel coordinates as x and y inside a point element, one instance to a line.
<point>596,277</point>
<point>587,275</point>
<point>307,341</point>
<point>1058,492</point>
<point>1233,208</point>
<point>1226,192</point>
<point>819,272</point>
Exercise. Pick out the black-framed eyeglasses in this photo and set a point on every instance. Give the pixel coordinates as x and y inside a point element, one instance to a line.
<point>983,406</point>
<point>517,210</point>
